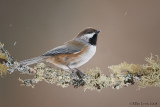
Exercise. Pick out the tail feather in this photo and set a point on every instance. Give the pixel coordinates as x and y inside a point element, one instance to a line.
<point>32,60</point>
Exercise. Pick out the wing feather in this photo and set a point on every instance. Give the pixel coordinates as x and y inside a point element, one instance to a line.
<point>64,49</point>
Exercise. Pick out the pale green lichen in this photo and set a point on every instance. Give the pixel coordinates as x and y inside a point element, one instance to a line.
<point>150,73</point>
<point>50,76</point>
<point>95,80</point>
<point>132,68</point>
<point>122,75</point>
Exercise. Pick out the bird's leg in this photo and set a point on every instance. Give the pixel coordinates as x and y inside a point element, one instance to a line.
<point>79,73</point>
<point>70,69</point>
<point>73,72</point>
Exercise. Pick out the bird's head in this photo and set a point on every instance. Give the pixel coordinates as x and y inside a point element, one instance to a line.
<point>88,35</point>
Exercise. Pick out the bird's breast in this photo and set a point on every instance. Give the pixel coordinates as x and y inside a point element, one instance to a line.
<point>84,57</point>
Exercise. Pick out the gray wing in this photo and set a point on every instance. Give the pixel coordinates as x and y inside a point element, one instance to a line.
<point>62,50</point>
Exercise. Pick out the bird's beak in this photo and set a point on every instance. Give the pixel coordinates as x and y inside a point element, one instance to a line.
<point>97,31</point>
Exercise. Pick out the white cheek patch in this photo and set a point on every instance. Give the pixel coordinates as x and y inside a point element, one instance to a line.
<point>87,36</point>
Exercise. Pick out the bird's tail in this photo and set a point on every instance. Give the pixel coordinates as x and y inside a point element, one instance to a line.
<point>32,60</point>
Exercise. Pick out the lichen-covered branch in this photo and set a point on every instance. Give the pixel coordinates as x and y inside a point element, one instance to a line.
<point>8,64</point>
<point>122,75</point>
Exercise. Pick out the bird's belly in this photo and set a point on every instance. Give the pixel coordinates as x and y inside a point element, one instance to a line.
<point>73,60</point>
<point>83,58</point>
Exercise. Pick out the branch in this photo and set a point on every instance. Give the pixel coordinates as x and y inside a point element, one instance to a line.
<point>122,75</point>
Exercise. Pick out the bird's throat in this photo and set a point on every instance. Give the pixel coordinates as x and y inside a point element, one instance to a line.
<point>93,40</point>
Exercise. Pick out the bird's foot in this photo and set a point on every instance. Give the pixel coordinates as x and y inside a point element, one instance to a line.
<point>73,74</point>
<point>80,74</point>
<point>78,78</point>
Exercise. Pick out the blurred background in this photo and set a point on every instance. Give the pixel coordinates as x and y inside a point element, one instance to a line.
<point>130,31</point>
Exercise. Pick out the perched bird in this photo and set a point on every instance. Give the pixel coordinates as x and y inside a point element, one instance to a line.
<point>73,53</point>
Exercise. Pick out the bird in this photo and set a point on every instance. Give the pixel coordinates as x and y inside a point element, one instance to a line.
<point>71,54</point>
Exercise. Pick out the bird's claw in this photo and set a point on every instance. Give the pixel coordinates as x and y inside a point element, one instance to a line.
<point>73,74</point>
<point>80,74</point>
